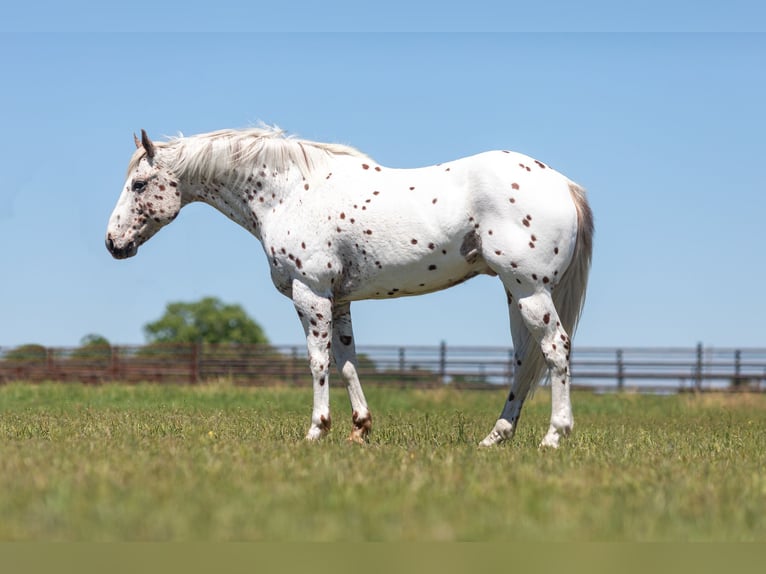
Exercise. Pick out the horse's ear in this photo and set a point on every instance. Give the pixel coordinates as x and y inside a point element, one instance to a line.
<point>136,140</point>
<point>147,143</point>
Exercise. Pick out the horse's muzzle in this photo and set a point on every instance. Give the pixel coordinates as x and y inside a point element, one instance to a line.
<point>128,250</point>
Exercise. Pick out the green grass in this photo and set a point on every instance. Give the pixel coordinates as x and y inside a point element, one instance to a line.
<point>223,463</point>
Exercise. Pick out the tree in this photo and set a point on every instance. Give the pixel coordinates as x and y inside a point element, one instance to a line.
<point>94,340</point>
<point>29,353</point>
<point>208,320</point>
<point>93,347</point>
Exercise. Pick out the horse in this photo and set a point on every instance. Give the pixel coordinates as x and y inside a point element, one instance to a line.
<point>338,227</point>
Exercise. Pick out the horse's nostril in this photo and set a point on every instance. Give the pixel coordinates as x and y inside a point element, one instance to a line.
<point>129,250</point>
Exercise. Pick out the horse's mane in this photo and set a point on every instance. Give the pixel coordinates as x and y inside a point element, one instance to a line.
<point>222,155</point>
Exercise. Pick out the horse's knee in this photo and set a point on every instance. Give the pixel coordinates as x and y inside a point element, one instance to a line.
<point>348,371</point>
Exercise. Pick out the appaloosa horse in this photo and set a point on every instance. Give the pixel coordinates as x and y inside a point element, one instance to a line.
<point>338,227</point>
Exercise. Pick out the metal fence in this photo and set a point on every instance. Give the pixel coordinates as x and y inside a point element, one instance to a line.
<point>697,368</point>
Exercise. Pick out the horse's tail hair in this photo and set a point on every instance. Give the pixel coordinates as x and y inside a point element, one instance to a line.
<point>568,295</point>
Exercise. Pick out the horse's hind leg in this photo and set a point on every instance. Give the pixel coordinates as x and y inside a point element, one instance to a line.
<point>542,320</point>
<point>344,352</point>
<point>506,424</point>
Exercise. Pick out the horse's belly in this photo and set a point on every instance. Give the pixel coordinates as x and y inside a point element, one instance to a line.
<point>384,281</point>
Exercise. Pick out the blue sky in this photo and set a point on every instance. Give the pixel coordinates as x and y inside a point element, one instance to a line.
<point>658,112</point>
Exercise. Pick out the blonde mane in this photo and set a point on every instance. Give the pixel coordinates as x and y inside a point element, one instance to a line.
<point>228,155</point>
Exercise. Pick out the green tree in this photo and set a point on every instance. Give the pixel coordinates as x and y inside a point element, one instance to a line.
<point>208,320</point>
<point>93,347</point>
<point>94,340</point>
<point>29,353</point>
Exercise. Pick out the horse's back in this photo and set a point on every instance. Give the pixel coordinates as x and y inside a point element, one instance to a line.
<point>486,193</point>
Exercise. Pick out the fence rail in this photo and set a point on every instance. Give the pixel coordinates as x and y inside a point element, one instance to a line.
<point>645,369</point>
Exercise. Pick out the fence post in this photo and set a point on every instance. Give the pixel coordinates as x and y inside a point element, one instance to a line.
<point>620,371</point>
<point>698,369</point>
<point>195,358</point>
<point>737,367</point>
<point>401,359</point>
<point>443,362</point>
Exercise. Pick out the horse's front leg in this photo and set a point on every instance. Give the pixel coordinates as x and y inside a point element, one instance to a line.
<point>315,312</point>
<point>344,351</point>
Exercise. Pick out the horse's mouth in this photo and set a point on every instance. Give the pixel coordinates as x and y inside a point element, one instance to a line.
<point>128,250</point>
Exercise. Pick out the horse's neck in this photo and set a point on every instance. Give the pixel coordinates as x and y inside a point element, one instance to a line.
<point>249,199</point>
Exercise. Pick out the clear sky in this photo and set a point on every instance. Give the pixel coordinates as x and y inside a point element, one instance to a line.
<point>658,110</point>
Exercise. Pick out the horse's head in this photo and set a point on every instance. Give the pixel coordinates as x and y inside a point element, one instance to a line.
<point>150,200</point>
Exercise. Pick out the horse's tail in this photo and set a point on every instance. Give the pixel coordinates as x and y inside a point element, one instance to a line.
<point>568,295</point>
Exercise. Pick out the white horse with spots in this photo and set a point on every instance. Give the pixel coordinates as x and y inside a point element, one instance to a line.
<point>337,227</point>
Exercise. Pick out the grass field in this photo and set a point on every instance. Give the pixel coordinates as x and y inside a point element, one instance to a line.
<point>223,463</point>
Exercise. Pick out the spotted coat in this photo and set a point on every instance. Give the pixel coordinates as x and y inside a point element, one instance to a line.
<point>338,227</point>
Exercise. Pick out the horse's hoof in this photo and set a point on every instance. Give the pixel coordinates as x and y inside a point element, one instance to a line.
<point>357,437</point>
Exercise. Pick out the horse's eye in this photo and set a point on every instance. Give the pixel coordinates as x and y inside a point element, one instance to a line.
<point>138,185</point>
